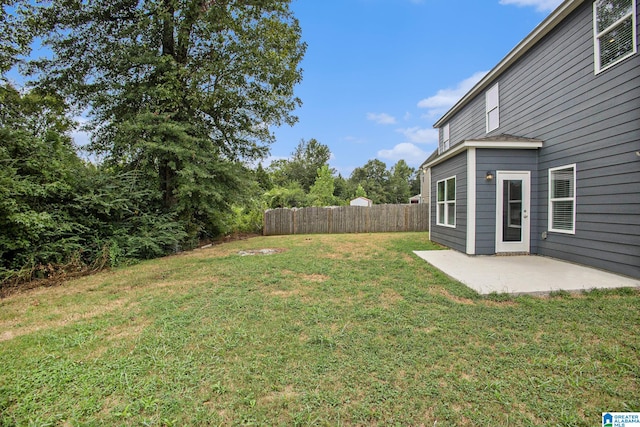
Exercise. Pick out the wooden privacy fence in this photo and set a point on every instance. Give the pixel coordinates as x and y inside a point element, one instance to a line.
<point>347,219</point>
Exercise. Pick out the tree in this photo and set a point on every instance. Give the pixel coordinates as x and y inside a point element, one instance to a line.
<point>14,37</point>
<point>399,188</point>
<point>373,177</point>
<point>262,178</point>
<point>183,90</point>
<point>292,196</point>
<point>321,193</point>
<point>302,167</point>
<point>38,171</point>
<point>58,213</point>
<point>341,189</point>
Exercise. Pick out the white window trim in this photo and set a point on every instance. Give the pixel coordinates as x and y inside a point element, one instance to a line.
<point>446,203</point>
<point>444,146</point>
<point>596,37</point>
<point>490,108</point>
<point>562,199</point>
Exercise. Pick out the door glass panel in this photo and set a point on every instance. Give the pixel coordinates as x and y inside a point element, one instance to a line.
<point>512,211</point>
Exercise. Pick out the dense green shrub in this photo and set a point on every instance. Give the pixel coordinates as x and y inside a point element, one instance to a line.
<point>58,212</point>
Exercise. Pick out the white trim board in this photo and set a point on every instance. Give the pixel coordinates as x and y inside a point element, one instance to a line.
<point>502,145</point>
<point>471,201</point>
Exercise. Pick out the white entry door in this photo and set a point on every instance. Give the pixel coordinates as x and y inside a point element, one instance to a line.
<point>513,207</point>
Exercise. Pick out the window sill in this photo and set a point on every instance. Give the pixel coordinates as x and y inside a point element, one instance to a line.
<point>562,231</point>
<point>445,225</point>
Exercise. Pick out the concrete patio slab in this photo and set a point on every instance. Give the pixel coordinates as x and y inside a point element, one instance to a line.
<point>522,274</point>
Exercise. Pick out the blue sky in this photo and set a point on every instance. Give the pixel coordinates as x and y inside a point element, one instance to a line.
<point>379,73</point>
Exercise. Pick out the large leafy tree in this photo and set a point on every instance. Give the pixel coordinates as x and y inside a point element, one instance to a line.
<point>400,179</point>
<point>302,167</point>
<point>374,178</point>
<point>181,89</point>
<point>15,37</point>
<point>321,192</point>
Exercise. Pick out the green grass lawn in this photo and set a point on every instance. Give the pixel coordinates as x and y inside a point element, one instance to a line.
<point>333,330</point>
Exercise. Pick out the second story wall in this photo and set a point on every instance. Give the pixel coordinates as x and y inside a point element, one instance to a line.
<point>553,89</point>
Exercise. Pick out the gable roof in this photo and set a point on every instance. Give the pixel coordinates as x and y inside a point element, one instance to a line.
<point>516,53</point>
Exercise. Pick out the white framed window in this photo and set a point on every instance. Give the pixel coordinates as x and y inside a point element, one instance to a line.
<point>444,145</point>
<point>614,32</point>
<point>493,108</point>
<point>562,199</point>
<point>446,201</point>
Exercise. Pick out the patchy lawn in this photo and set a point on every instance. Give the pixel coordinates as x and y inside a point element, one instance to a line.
<point>326,330</point>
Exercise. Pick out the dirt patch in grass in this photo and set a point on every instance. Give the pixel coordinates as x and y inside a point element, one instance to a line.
<point>437,290</point>
<point>265,251</point>
<point>302,277</point>
<point>505,303</point>
<point>348,300</point>
<point>316,278</point>
<point>284,293</point>
<point>288,393</point>
<point>428,330</point>
<point>389,298</point>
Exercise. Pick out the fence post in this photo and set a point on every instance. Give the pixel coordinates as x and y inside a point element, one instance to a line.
<point>406,218</point>
<point>264,224</point>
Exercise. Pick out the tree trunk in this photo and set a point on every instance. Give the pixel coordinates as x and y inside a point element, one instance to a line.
<point>166,173</point>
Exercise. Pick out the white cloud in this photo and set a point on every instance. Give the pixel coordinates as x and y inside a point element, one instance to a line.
<point>444,99</point>
<point>540,5</point>
<point>381,118</point>
<point>420,135</point>
<point>406,151</point>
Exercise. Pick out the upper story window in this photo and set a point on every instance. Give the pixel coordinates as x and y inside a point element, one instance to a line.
<point>493,108</point>
<point>614,29</point>
<point>444,145</point>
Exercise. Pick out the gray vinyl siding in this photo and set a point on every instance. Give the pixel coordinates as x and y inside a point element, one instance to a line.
<point>454,238</point>
<point>469,123</point>
<point>553,94</point>
<point>501,160</point>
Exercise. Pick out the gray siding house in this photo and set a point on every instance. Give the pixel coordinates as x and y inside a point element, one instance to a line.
<point>542,156</point>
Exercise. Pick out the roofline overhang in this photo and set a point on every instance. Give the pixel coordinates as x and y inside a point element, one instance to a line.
<point>516,53</point>
<point>501,145</point>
